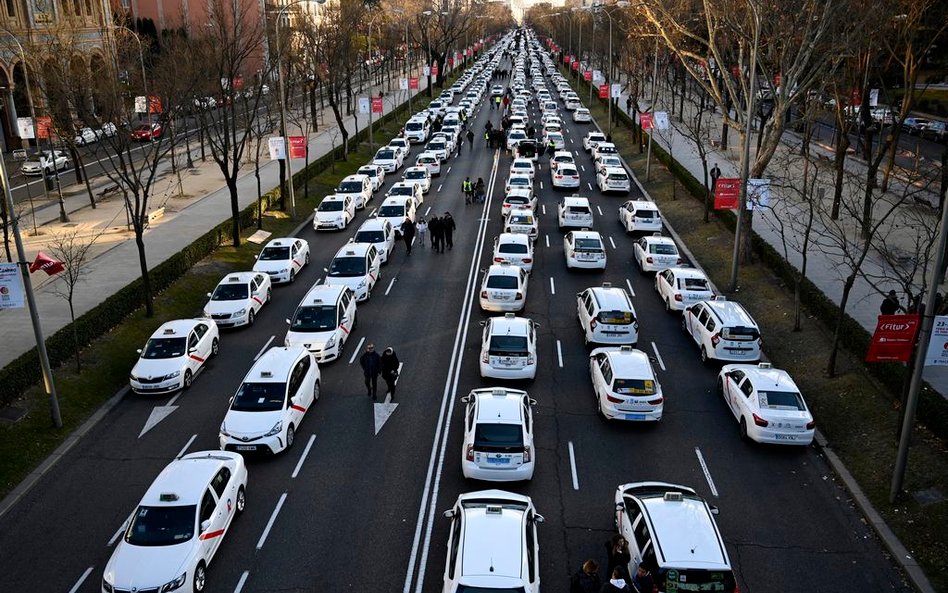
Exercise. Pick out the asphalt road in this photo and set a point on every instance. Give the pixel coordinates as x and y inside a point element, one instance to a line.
<point>351,511</point>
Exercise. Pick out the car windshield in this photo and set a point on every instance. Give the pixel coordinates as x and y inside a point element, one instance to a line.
<point>588,244</point>
<point>415,175</point>
<point>508,345</point>
<point>259,397</point>
<point>314,319</point>
<point>512,248</point>
<point>780,400</point>
<point>502,281</point>
<point>161,526</point>
<point>157,348</point>
<point>662,249</point>
<point>392,210</point>
<point>275,253</point>
<point>634,386</point>
<point>331,206</point>
<point>347,266</point>
<point>699,284</point>
<point>414,126</point>
<point>370,172</point>
<point>350,187</point>
<point>385,155</point>
<point>498,437</point>
<point>231,292</point>
<point>436,145</point>
<point>370,237</point>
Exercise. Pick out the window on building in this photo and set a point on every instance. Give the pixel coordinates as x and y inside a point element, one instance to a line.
<point>11,8</point>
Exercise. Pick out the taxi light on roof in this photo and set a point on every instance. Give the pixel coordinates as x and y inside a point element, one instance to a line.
<point>509,315</point>
<point>656,234</point>
<point>168,497</point>
<point>765,365</point>
<point>169,331</point>
<point>494,509</point>
<point>317,301</point>
<point>266,374</point>
<point>719,297</point>
<point>673,497</point>
<point>625,348</point>
<point>607,284</point>
<point>234,279</point>
<point>350,252</point>
<point>498,391</point>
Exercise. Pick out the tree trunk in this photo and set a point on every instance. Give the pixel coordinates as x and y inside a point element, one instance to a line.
<point>312,108</point>
<point>834,351</point>
<point>75,334</point>
<point>839,166</point>
<point>143,264</point>
<point>234,209</point>
<point>81,166</point>
<point>6,231</point>
<point>283,188</point>
<point>342,126</point>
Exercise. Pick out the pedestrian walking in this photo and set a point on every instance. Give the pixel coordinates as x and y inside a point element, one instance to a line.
<point>550,149</point>
<point>479,191</point>
<point>470,138</point>
<point>890,304</point>
<point>628,104</point>
<point>408,233</point>
<point>371,364</point>
<point>586,578</point>
<point>616,584</point>
<point>643,582</point>
<point>467,188</point>
<point>447,224</point>
<point>389,365</point>
<point>715,173</point>
<point>422,229</point>
<point>617,552</point>
<point>437,233</point>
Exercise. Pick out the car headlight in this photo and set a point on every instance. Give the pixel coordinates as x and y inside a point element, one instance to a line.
<point>175,584</point>
<point>132,378</point>
<point>330,342</point>
<point>172,375</point>
<point>275,430</point>
<point>224,430</point>
<point>361,284</point>
<point>240,313</point>
<point>106,586</point>
<point>204,313</point>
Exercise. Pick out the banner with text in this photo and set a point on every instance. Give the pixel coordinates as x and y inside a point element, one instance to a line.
<point>297,147</point>
<point>727,193</point>
<point>937,354</point>
<point>11,287</point>
<point>277,148</point>
<point>893,339</point>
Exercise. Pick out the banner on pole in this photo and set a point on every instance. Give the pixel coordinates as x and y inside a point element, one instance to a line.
<point>141,104</point>
<point>574,66</point>
<point>403,84</point>
<point>758,193</point>
<point>297,147</point>
<point>377,105</point>
<point>661,120</point>
<point>597,76</point>
<point>277,148</point>
<point>587,75</point>
<point>615,91</point>
<point>46,263</point>
<point>363,104</point>
<point>11,287</point>
<point>937,354</point>
<point>24,127</point>
<point>894,338</point>
<point>426,71</point>
<point>645,120</point>
<point>43,125</point>
<point>413,84</point>
<point>603,91</point>
<point>727,193</point>
<point>154,104</point>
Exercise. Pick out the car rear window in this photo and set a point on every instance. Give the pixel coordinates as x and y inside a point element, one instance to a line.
<point>699,284</point>
<point>498,437</point>
<point>662,249</point>
<point>715,581</point>
<point>588,245</point>
<point>616,317</point>
<point>512,248</point>
<point>508,345</point>
<point>496,281</point>
<point>645,213</point>
<point>634,386</point>
<point>578,209</point>
<point>740,333</point>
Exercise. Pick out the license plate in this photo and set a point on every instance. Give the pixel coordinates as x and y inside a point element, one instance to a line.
<point>785,437</point>
<point>498,460</point>
<point>246,447</point>
<point>146,387</point>
<point>634,416</point>
<point>500,296</point>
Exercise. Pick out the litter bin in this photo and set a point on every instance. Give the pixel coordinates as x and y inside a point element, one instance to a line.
<point>50,181</point>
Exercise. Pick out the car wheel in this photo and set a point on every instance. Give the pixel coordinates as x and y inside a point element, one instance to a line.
<point>188,379</point>
<point>704,355</point>
<point>200,577</point>
<point>290,437</point>
<point>250,318</point>
<point>316,391</point>
<point>668,305</point>
<point>292,276</point>
<point>306,263</point>
<point>215,347</point>
<point>744,436</point>
<point>241,500</point>
<point>269,294</point>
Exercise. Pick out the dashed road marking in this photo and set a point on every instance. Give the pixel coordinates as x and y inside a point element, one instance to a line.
<point>81,580</point>
<point>299,464</point>
<point>572,466</point>
<point>264,349</point>
<point>242,582</point>
<point>629,284</point>
<point>612,242</point>
<point>273,516</point>
<point>600,210</point>
<point>559,353</point>
<point>357,350</point>
<point>707,473</point>
<point>552,286</point>
<point>661,362</point>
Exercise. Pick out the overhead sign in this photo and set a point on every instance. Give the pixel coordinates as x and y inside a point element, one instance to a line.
<point>661,120</point>
<point>758,193</point>
<point>24,127</point>
<point>297,147</point>
<point>645,120</point>
<point>11,287</point>
<point>937,354</point>
<point>277,148</point>
<point>603,91</point>
<point>894,338</point>
<point>413,83</point>
<point>363,104</point>
<point>377,105</point>
<point>727,193</point>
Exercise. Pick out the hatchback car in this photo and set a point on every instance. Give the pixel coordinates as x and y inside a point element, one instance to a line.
<point>46,161</point>
<point>430,161</point>
<point>283,259</point>
<point>584,249</point>
<point>179,525</point>
<point>767,404</point>
<point>498,435</point>
<point>523,221</point>
<point>268,407</point>
<point>378,232</point>
<point>561,157</point>
<point>375,174</point>
<point>174,355</point>
<point>592,139</point>
<point>637,216</point>
<point>395,210</point>
<point>420,176</point>
<point>517,199</point>
<point>606,316</point>
<point>514,248</point>
<point>504,288</point>
<point>335,212</point>
<point>509,348</point>
<point>355,266</point>
<point>565,176</point>
<point>625,384</point>
<point>614,179</point>
<point>582,115</point>
<point>655,253</point>
<point>358,187</point>
<point>323,321</point>
<point>723,330</point>
<point>238,299</point>
<point>574,212</point>
<point>682,287</point>
<point>522,166</point>
<point>388,158</point>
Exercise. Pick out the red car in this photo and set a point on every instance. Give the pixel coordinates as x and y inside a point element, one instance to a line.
<point>147,132</point>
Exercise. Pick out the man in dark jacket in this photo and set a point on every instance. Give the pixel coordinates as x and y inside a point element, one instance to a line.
<point>447,224</point>
<point>616,583</point>
<point>470,138</point>
<point>408,233</point>
<point>643,582</point>
<point>586,579</point>
<point>371,364</point>
<point>890,304</point>
<point>390,370</point>
<point>437,233</point>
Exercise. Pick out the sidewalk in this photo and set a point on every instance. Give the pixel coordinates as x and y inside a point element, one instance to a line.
<point>194,201</point>
<point>825,263</point>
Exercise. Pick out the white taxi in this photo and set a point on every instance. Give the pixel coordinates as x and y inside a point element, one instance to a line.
<point>378,232</point>
<point>356,266</point>
<point>283,259</point>
<point>556,139</point>
<point>375,174</point>
<point>606,316</point>
<point>498,435</point>
<point>519,181</point>
<point>430,161</point>
<point>358,187</point>
<point>566,176</point>
<point>614,179</point>
<point>625,384</point>
<point>504,288</point>
<point>582,115</point>
<point>271,401</point>
<point>574,212</point>
<point>406,189</point>
<point>492,544</point>
<point>682,287</point>
<point>395,210</point>
<point>238,299</point>
<point>584,249</point>
<point>509,348</point>
<point>323,321</point>
<point>173,355</point>
<point>514,248</point>
<point>335,212</point>
<point>592,139</point>
<point>389,158</point>
<point>523,166</point>
<point>767,404</point>
<point>439,147</point>
<point>179,525</point>
<point>420,176</point>
<point>640,216</point>
<point>522,221</point>
<point>518,198</point>
<point>562,157</point>
<point>656,253</point>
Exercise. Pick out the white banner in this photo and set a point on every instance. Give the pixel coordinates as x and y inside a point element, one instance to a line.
<point>597,76</point>
<point>427,71</point>
<point>403,84</point>
<point>616,91</point>
<point>277,148</point>
<point>24,126</point>
<point>758,193</point>
<point>937,354</point>
<point>141,104</point>
<point>661,120</point>
<point>873,97</point>
<point>11,287</point>
<point>363,104</point>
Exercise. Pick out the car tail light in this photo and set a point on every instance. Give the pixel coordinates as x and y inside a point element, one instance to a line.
<point>656,401</point>
<point>811,425</point>
<point>678,297</point>
<point>527,260</point>
<point>649,260</point>
<point>760,421</point>
<point>485,358</point>
<point>615,400</point>
<point>715,339</point>
<point>483,294</point>
<point>557,177</point>
<point>531,359</point>
<point>470,453</point>
<point>680,261</point>
<point>498,260</point>
<point>519,295</point>
<point>526,454</point>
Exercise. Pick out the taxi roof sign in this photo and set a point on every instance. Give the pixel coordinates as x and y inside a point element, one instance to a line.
<point>168,497</point>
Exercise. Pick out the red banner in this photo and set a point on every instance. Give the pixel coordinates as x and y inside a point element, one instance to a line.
<point>434,70</point>
<point>575,66</point>
<point>413,83</point>
<point>645,120</point>
<point>587,75</point>
<point>566,59</point>
<point>154,104</point>
<point>603,91</point>
<point>297,147</point>
<point>377,105</point>
<point>894,338</point>
<point>43,124</point>
<point>855,97</point>
<point>450,62</point>
<point>46,263</point>
<point>777,79</point>
<point>727,193</point>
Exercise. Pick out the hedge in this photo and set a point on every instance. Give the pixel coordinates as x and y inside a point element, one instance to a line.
<point>932,406</point>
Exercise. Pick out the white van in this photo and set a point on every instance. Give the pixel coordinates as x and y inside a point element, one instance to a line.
<point>417,130</point>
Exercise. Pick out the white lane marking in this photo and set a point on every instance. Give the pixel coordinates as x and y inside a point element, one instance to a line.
<point>707,473</point>
<point>599,209</point>
<point>541,187</point>
<point>572,466</point>
<point>547,237</point>
<point>121,529</point>
<point>543,207</point>
<point>273,517</point>
<point>590,186</point>
<point>357,349</point>
<point>449,171</point>
<point>299,464</point>
<point>661,362</point>
<point>175,398</point>
<point>559,353</point>
<point>571,141</point>
<point>583,167</point>
<point>612,242</point>
<point>552,286</point>
<point>428,211</point>
<point>439,189</point>
<point>81,580</point>
<point>242,581</point>
<point>264,349</point>
<point>629,284</point>
<point>390,284</point>
<point>412,244</point>
<point>186,445</point>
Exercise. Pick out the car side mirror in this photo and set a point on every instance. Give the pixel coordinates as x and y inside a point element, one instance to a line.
<point>533,402</point>
<point>326,270</point>
<point>139,351</point>
<point>538,519</point>
<point>205,525</point>
<point>481,323</point>
<point>345,319</point>
<point>192,349</point>
<point>714,510</point>
<point>465,399</point>
<point>208,295</point>
<point>448,514</point>
<point>620,506</point>
<point>288,322</point>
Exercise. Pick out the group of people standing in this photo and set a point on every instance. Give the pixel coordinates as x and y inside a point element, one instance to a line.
<point>587,580</point>
<point>374,365</point>
<point>441,230</point>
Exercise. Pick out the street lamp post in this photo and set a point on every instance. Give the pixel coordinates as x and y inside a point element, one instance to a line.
<point>372,79</point>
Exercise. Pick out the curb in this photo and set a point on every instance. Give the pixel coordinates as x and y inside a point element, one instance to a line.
<point>27,484</point>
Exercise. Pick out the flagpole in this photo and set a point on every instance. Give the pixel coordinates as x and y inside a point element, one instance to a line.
<point>48,383</point>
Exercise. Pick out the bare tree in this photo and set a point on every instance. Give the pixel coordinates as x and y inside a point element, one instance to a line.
<point>72,249</point>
